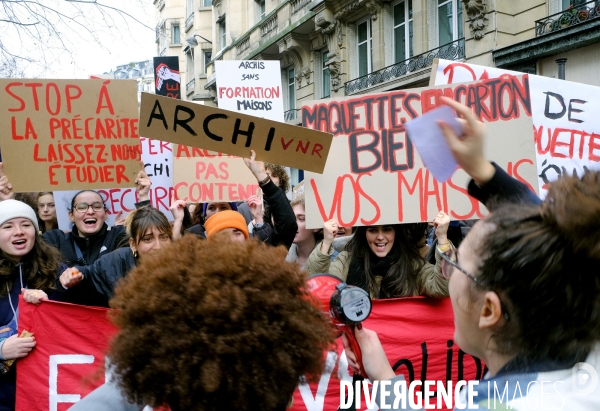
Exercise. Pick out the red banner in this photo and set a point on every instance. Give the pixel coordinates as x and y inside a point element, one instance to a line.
<point>417,334</point>
<point>65,364</point>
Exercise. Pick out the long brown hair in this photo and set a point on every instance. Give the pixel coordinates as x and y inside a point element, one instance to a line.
<point>401,278</point>
<point>40,267</point>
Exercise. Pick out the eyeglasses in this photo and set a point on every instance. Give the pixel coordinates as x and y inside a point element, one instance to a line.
<point>83,207</point>
<point>450,258</point>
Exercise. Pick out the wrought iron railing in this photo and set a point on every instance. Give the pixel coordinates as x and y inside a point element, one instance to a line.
<point>161,5</point>
<point>190,86</point>
<point>570,17</point>
<point>189,22</point>
<point>291,114</point>
<point>450,51</point>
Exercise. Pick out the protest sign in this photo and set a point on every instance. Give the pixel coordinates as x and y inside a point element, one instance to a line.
<point>565,118</point>
<point>65,364</point>
<point>158,163</point>
<point>252,87</point>
<point>201,176</point>
<point>377,177</point>
<point>167,81</point>
<point>223,131</point>
<point>71,341</point>
<point>69,134</point>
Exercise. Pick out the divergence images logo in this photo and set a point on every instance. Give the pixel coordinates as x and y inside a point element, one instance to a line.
<point>585,378</point>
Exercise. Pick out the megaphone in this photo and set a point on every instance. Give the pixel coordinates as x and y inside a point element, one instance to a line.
<point>347,305</point>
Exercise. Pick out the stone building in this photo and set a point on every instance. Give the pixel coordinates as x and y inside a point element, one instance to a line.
<point>347,47</point>
<point>178,21</point>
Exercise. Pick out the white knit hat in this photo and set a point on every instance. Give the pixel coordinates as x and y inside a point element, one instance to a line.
<point>10,209</point>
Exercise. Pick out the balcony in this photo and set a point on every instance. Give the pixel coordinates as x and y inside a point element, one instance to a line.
<point>161,5</point>
<point>298,5</point>
<point>568,18</point>
<point>450,51</point>
<point>290,115</point>
<point>269,25</point>
<point>243,45</point>
<point>189,22</point>
<point>190,86</point>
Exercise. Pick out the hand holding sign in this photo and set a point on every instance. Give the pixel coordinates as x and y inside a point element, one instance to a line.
<point>468,148</point>
<point>33,296</point>
<point>15,347</point>
<point>6,192</point>
<point>330,229</point>
<point>257,167</point>
<point>143,184</point>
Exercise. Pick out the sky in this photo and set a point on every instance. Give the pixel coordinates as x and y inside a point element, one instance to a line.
<point>81,39</point>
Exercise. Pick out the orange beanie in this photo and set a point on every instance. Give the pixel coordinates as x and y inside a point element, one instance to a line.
<point>223,220</point>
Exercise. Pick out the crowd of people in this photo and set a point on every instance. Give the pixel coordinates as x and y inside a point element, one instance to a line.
<point>229,280</point>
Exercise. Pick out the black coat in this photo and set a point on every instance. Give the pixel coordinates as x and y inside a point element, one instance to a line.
<point>103,275</point>
<point>92,248</point>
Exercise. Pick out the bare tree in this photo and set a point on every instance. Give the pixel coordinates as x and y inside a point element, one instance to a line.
<point>36,34</point>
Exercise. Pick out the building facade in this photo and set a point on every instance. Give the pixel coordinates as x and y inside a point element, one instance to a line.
<point>339,48</point>
<point>178,21</point>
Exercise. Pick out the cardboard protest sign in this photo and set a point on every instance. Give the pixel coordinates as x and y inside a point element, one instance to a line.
<point>252,87</point>
<point>167,81</point>
<point>202,175</point>
<point>210,128</point>
<point>158,163</point>
<point>565,118</point>
<point>69,134</point>
<point>377,177</point>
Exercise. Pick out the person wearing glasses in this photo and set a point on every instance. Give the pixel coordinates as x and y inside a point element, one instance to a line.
<point>90,236</point>
<point>523,285</point>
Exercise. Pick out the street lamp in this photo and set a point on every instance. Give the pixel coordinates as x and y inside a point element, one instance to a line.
<point>192,42</point>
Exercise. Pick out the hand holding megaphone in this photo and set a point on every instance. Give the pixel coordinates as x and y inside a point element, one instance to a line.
<point>373,360</point>
<point>347,305</point>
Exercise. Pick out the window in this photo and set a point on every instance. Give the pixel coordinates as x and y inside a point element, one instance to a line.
<point>291,89</point>
<point>207,59</point>
<point>207,3</point>
<point>365,43</point>
<point>260,10</point>
<point>222,33</point>
<point>450,26</point>
<point>575,3</point>
<point>175,34</point>
<point>326,86</point>
<point>403,31</point>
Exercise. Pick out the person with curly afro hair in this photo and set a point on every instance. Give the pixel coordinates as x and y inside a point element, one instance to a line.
<point>207,325</point>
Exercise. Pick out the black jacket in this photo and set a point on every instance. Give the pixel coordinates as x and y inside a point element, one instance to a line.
<point>92,248</point>
<point>103,275</point>
<point>502,189</point>
<point>284,227</point>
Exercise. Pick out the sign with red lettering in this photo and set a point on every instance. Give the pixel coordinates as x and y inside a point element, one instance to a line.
<point>202,176</point>
<point>69,134</point>
<point>377,177</point>
<point>223,131</point>
<point>251,87</point>
<point>565,118</point>
<point>71,341</point>
<point>66,363</point>
<point>158,162</point>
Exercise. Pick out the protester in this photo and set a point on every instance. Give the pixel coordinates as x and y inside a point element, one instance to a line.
<point>207,325</point>
<point>207,211</point>
<point>46,211</point>
<point>516,266</point>
<point>148,230</point>
<point>305,240</point>
<point>28,266</point>
<point>230,223</point>
<point>384,260</point>
<point>279,230</point>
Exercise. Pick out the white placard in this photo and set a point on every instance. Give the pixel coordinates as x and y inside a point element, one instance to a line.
<point>251,87</point>
<point>565,119</point>
<point>158,160</point>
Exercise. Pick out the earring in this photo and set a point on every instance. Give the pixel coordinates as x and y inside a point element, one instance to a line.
<point>135,254</point>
